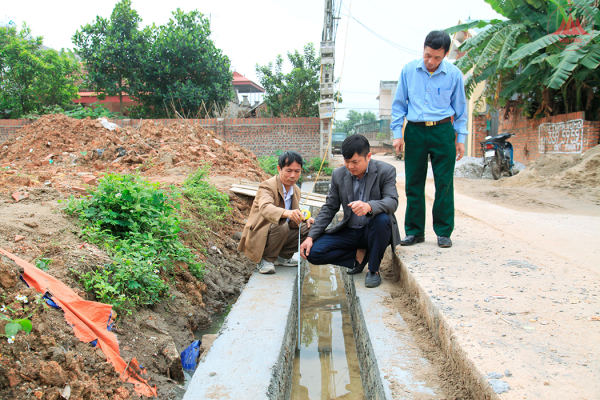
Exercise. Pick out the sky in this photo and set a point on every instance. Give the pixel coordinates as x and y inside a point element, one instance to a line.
<point>255,32</point>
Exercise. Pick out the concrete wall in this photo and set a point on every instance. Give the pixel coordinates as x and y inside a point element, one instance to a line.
<point>262,136</point>
<point>562,134</point>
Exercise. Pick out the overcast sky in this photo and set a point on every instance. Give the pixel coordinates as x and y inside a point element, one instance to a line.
<point>251,32</point>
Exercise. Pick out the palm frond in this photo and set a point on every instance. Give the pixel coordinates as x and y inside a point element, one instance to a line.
<point>535,46</point>
<point>509,43</point>
<point>477,40</point>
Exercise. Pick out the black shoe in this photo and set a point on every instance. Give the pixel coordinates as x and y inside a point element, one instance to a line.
<point>412,239</point>
<point>359,267</point>
<point>372,279</point>
<point>444,241</point>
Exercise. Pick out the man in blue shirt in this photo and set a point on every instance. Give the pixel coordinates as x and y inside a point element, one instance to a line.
<point>431,96</point>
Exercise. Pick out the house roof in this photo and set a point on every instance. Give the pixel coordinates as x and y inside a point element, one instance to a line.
<point>245,85</point>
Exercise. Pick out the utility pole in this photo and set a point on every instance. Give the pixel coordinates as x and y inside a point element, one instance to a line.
<point>327,89</point>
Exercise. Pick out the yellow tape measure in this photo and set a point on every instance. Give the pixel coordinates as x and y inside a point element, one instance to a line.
<point>305,214</point>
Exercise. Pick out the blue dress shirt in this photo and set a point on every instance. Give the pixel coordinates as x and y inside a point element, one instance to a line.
<point>422,96</point>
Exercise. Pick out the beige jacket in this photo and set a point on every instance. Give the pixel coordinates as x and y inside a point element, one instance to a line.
<point>267,208</point>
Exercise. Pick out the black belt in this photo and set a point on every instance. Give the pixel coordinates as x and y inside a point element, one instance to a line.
<point>432,123</point>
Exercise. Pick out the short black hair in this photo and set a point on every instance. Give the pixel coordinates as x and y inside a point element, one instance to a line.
<point>438,39</point>
<point>355,144</point>
<point>288,158</point>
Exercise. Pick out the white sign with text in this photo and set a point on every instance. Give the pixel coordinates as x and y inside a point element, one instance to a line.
<point>561,137</point>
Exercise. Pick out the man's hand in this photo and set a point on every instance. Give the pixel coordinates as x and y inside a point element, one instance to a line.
<point>460,151</point>
<point>361,208</point>
<point>305,247</point>
<point>294,215</point>
<point>398,145</point>
<point>310,222</point>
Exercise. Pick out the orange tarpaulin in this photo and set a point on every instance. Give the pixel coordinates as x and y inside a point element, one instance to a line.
<point>89,320</point>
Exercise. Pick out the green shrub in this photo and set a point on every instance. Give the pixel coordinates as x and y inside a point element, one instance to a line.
<point>315,165</point>
<point>76,111</point>
<point>206,208</point>
<point>269,164</point>
<point>137,223</point>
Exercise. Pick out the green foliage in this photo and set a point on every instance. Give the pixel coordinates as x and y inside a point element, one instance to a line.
<point>184,69</point>
<point>353,118</point>
<point>204,197</point>
<point>12,328</point>
<point>315,165</point>
<point>112,50</point>
<point>43,263</point>
<point>268,164</point>
<point>138,224</point>
<point>95,110</point>
<point>528,65</point>
<point>205,209</point>
<point>173,67</point>
<point>31,77</point>
<point>296,93</point>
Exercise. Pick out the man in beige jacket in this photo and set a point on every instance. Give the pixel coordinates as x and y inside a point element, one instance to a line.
<point>270,236</point>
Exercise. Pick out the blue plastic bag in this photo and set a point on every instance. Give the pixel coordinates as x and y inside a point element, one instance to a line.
<point>189,356</point>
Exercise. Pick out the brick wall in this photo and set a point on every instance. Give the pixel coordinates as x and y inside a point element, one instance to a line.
<point>9,127</point>
<point>562,134</point>
<point>262,136</point>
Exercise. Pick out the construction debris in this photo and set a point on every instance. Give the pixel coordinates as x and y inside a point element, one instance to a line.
<point>56,141</point>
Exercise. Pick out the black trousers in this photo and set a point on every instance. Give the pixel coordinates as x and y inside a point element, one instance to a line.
<point>340,248</point>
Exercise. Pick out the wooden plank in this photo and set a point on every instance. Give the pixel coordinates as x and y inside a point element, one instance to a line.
<point>244,191</point>
<point>306,198</point>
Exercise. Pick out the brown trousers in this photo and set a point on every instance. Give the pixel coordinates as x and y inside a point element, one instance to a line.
<point>283,241</point>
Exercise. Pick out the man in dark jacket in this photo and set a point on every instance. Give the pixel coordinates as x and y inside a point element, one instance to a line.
<point>366,190</point>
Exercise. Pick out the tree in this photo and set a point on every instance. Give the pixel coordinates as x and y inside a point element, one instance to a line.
<point>295,94</point>
<point>184,71</point>
<point>530,62</point>
<point>32,77</point>
<point>171,66</point>
<point>353,118</point>
<point>113,51</point>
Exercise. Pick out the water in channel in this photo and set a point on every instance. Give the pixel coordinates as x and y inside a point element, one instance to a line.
<point>326,366</point>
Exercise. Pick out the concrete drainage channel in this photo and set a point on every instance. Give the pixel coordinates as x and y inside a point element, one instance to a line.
<point>253,356</point>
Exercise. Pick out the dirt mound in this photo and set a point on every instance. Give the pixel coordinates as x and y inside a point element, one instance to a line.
<point>584,174</point>
<point>579,174</point>
<point>472,168</point>
<point>59,141</point>
<point>50,362</point>
<point>554,164</point>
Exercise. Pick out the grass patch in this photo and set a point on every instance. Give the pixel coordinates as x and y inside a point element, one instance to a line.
<point>205,210</point>
<point>138,224</point>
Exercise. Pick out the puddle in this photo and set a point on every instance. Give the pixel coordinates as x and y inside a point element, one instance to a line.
<point>326,366</point>
<point>217,320</point>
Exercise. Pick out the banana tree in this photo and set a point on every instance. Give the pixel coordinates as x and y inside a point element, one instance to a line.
<point>542,59</point>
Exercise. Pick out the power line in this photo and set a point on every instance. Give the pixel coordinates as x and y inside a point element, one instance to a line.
<point>396,45</point>
<point>348,91</point>
<point>403,23</point>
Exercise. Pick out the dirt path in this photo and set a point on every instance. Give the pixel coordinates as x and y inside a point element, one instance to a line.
<point>520,287</point>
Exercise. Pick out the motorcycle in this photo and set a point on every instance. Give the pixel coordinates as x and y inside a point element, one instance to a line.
<point>498,155</point>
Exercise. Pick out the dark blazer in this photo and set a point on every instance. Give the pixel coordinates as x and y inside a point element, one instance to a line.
<point>381,194</point>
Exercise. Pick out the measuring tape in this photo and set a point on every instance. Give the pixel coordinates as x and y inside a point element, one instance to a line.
<point>305,214</point>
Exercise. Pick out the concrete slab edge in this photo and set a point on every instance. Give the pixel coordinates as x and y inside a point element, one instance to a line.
<point>280,387</point>
<point>237,364</point>
<point>370,373</point>
<point>445,336</point>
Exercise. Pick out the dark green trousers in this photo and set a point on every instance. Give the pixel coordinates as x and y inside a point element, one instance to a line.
<point>439,143</point>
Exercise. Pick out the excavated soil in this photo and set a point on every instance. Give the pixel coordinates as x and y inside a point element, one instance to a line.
<point>50,362</point>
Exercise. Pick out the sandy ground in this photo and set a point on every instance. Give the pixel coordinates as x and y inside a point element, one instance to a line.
<point>520,286</point>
